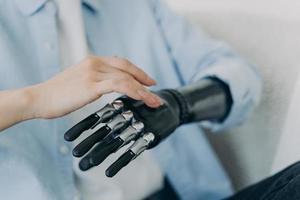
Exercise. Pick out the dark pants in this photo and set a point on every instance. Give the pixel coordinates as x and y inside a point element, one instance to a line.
<point>284,185</point>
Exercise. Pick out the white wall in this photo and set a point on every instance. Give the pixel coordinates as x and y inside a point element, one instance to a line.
<point>267,33</point>
<point>284,9</point>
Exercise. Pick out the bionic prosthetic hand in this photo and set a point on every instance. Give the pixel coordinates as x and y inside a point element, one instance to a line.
<point>126,120</point>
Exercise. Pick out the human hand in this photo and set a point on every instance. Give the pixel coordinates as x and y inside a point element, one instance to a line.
<point>87,81</point>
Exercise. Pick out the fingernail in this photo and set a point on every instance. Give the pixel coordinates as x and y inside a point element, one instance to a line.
<point>152,80</point>
<point>155,100</point>
<point>151,98</point>
<point>161,102</point>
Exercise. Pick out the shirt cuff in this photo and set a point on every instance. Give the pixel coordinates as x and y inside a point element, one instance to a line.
<point>245,89</point>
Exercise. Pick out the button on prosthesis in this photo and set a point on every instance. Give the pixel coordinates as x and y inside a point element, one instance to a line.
<point>126,120</point>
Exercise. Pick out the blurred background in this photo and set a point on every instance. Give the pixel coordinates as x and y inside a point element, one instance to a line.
<point>266,32</point>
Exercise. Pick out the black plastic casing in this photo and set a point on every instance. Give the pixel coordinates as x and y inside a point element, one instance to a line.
<point>208,99</point>
<point>160,121</point>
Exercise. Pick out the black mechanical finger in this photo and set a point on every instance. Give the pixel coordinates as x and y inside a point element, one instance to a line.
<point>83,147</point>
<point>105,148</point>
<point>118,123</point>
<point>120,163</point>
<point>131,132</point>
<point>103,115</point>
<point>135,150</point>
<point>82,126</point>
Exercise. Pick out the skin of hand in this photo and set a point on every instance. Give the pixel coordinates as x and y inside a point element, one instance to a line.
<point>76,87</point>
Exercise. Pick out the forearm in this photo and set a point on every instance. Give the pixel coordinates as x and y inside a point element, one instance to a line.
<point>15,106</point>
<point>91,78</point>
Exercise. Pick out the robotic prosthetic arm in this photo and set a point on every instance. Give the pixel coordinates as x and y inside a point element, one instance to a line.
<point>126,120</point>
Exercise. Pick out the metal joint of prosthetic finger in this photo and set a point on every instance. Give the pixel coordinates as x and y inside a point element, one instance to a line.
<point>131,133</point>
<point>142,144</point>
<point>108,111</point>
<point>120,120</point>
<point>131,153</point>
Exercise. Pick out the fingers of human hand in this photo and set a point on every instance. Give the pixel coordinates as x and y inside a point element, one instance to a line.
<point>92,64</point>
<point>128,67</point>
<point>134,89</point>
<point>126,84</point>
<point>150,99</point>
<point>131,89</point>
<point>114,80</point>
<point>114,85</point>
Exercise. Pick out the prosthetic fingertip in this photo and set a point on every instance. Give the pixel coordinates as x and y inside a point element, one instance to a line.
<point>67,137</point>
<point>109,174</point>
<point>102,152</point>
<point>81,149</point>
<point>85,164</point>
<point>82,126</point>
<point>119,164</point>
<point>72,134</point>
<point>100,158</point>
<point>88,143</point>
<point>76,153</point>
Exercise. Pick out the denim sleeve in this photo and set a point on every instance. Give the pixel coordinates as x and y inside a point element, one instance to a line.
<point>195,56</point>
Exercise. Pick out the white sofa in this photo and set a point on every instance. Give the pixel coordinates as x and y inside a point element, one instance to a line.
<point>267,33</point>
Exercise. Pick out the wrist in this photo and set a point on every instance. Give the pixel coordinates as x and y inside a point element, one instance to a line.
<point>28,102</point>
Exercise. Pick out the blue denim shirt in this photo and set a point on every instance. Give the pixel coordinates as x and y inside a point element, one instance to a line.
<point>150,35</point>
